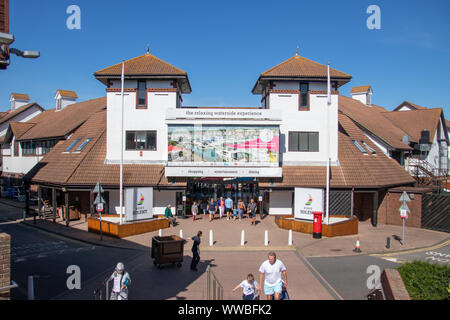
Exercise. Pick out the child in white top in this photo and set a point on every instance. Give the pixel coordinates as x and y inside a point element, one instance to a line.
<point>250,288</point>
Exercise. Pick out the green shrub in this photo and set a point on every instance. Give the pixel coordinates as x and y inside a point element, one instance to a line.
<point>426,281</point>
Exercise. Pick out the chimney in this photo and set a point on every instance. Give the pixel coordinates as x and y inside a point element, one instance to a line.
<point>18,100</point>
<point>363,94</point>
<point>64,98</point>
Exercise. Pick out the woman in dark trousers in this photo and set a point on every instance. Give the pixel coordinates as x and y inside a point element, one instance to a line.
<point>196,251</point>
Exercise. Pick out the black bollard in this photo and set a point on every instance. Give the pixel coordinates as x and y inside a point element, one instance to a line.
<point>388,242</point>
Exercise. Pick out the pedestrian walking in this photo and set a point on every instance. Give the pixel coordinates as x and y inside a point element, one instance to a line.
<point>121,282</point>
<point>194,210</point>
<point>250,288</point>
<point>273,271</point>
<point>205,205</point>
<point>234,212</point>
<point>241,208</point>
<point>251,208</point>
<point>196,251</point>
<point>212,207</point>
<point>229,206</point>
<point>221,205</point>
<point>168,214</point>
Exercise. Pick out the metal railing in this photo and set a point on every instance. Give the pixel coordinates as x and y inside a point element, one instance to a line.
<point>214,290</point>
<point>98,293</point>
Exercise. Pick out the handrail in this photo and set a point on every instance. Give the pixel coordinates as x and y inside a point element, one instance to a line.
<point>98,293</point>
<point>217,289</point>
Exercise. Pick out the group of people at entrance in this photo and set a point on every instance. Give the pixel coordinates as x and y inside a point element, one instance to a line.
<point>226,207</point>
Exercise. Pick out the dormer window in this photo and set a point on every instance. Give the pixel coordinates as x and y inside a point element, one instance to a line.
<point>58,104</point>
<point>142,94</point>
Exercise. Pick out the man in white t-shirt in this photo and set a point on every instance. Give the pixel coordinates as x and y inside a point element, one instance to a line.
<point>272,270</point>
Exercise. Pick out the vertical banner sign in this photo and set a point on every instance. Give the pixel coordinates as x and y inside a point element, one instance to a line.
<point>138,203</point>
<point>307,201</point>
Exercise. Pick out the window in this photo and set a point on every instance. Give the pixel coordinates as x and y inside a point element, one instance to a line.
<point>47,145</point>
<point>141,140</point>
<point>142,93</point>
<point>28,148</point>
<point>58,104</point>
<point>371,150</point>
<point>72,145</point>
<point>304,95</point>
<point>359,147</point>
<point>85,142</point>
<point>304,141</point>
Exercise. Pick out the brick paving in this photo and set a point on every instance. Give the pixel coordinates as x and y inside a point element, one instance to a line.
<point>231,262</point>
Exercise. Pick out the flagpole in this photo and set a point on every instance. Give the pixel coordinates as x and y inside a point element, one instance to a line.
<point>121,148</point>
<point>327,209</point>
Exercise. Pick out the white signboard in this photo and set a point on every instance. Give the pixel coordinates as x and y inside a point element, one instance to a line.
<point>138,203</point>
<point>222,172</point>
<point>307,201</point>
<point>238,114</point>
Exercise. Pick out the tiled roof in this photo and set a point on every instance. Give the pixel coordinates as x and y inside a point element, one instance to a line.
<point>374,121</point>
<point>410,105</point>
<point>355,169</point>
<point>298,67</point>
<point>414,121</point>
<point>360,89</point>
<point>67,93</point>
<point>54,124</point>
<point>145,65</point>
<point>19,128</point>
<point>14,113</point>
<point>20,96</point>
<point>88,167</point>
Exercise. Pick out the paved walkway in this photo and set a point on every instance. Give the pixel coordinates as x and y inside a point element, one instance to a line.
<point>231,262</point>
<point>227,237</point>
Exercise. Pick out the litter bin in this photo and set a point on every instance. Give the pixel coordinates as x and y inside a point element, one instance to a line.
<point>317,225</point>
<point>166,250</point>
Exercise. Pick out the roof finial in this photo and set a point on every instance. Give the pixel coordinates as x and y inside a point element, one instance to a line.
<point>296,51</point>
<point>148,48</point>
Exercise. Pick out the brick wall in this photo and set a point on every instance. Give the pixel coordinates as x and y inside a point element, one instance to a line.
<point>5,265</point>
<point>393,286</point>
<point>388,210</point>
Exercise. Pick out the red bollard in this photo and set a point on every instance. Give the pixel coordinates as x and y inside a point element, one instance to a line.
<point>317,225</point>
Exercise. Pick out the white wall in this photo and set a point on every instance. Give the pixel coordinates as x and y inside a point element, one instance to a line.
<point>20,164</point>
<point>362,97</point>
<point>22,117</point>
<point>313,120</point>
<point>281,202</point>
<point>151,118</point>
<point>161,199</point>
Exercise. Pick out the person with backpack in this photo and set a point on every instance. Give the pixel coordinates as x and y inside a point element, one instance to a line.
<point>250,288</point>
<point>241,208</point>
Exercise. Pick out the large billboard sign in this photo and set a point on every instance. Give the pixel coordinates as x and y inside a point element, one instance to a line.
<point>230,145</point>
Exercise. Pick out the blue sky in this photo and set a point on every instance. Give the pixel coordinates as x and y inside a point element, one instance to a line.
<point>225,45</point>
